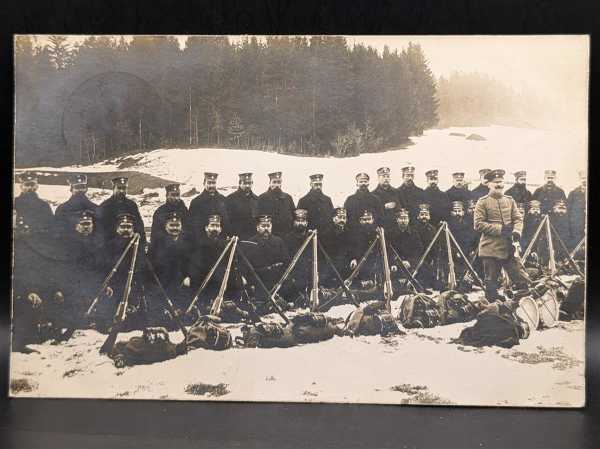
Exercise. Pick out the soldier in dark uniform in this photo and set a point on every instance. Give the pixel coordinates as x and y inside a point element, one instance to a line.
<point>205,252</point>
<point>83,273</point>
<point>35,212</point>
<point>532,220</point>
<point>170,258</point>
<point>482,188</point>
<point>500,224</point>
<point>518,191</point>
<point>336,241</point>
<point>404,238</point>
<point>118,204</point>
<point>411,194</point>
<point>278,205</point>
<point>559,218</point>
<point>462,229</point>
<point>301,276</point>
<point>68,214</point>
<point>426,232</point>
<point>459,191</point>
<point>318,205</point>
<point>114,247</point>
<point>576,206</point>
<point>361,201</point>
<point>267,254</point>
<point>242,207</point>
<point>439,204</point>
<point>362,236</point>
<point>549,193</point>
<point>173,203</point>
<point>209,202</point>
<point>389,197</point>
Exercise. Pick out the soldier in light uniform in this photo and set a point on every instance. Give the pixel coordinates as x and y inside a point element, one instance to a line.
<point>576,205</point>
<point>317,204</point>
<point>208,203</point>
<point>411,194</point>
<point>389,197</point>
<point>278,205</point>
<point>35,212</point>
<point>482,188</point>
<point>439,204</point>
<point>361,201</point>
<point>549,193</point>
<point>111,208</point>
<point>173,203</point>
<point>459,191</point>
<point>518,191</point>
<point>336,241</point>
<point>68,214</point>
<point>242,207</point>
<point>500,224</point>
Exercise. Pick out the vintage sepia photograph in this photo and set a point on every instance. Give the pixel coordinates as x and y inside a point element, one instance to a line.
<point>307,218</point>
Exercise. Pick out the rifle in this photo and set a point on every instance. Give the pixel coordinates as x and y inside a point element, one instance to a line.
<point>337,274</point>
<point>208,277</point>
<point>387,283</point>
<point>111,274</point>
<point>314,293</point>
<point>218,302</point>
<point>411,279</point>
<point>121,313</point>
<point>170,306</point>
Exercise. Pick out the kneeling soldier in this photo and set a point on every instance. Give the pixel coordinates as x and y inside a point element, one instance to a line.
<point>500,224</point>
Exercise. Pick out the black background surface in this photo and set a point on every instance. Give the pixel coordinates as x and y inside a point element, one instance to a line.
<point>27,423</point>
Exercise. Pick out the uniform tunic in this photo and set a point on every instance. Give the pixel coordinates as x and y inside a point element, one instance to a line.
<point>413,196</point>
<point>302,273</point>
<point>242,209</point>
<point>336,242</point>
<point>319,207</point>
<point>280,206</point>
<point>389,195</point>
<point>263,256</point>
<point>68,214</point>
<point>456,194</point>
<point>407,243</point>
<point>490,214</point>
<point>547,195</point>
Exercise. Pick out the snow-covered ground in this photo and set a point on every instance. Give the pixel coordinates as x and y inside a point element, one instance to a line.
<point>547,369</point>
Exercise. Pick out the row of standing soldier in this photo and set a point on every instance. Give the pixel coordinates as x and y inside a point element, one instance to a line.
<point>184,244</point>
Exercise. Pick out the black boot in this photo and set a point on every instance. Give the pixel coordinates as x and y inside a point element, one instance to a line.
<point>491,292</point>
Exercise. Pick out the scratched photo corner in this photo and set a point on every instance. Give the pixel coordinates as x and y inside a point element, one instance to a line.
<point>350,219</point>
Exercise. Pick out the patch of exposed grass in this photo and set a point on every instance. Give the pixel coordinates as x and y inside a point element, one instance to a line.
<point>554,355</point>
<point>22,385</point>
<point>419,394</point>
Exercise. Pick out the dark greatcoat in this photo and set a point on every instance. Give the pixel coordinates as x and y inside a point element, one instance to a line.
<point>439,204</point>
<point>464,233</point>
<point>159,219</point>
<point>389,195</point>
<point>280,206</point>
<point>456,194</point>
<point>108,211</point>
<point>204,205</point>
<point>408,245</point>
<point>520,194</point>
<point>337,243</point>
<point>576,207</point>
<point>263,256</point>
<point>479,191</point>
<point>562,227</point>
<point>547,195</point>
<point>361,238</point>
<point>319,207</point>
<point>36,212</point>
<point>413,196</point>
<point>302,273</point>
<point>68,214</point>
<point>242,209</point>
<point>360,201</point>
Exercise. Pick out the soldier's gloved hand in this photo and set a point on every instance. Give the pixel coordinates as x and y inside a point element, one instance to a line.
<point>187,282</point>
<point>353,264</point>
<point>393,268</point>
<point>35,300</point>
<point>515,236</point>
<point>390,205</point>
<point>244,281</point>
<point>59,298</point>
<point>109,292</point>
<point>406,263</point>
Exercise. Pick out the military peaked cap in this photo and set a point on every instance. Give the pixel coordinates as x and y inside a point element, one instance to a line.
<point>493,174</point>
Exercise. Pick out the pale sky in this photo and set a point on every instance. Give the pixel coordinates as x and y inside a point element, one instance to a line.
<point>554,66</point>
